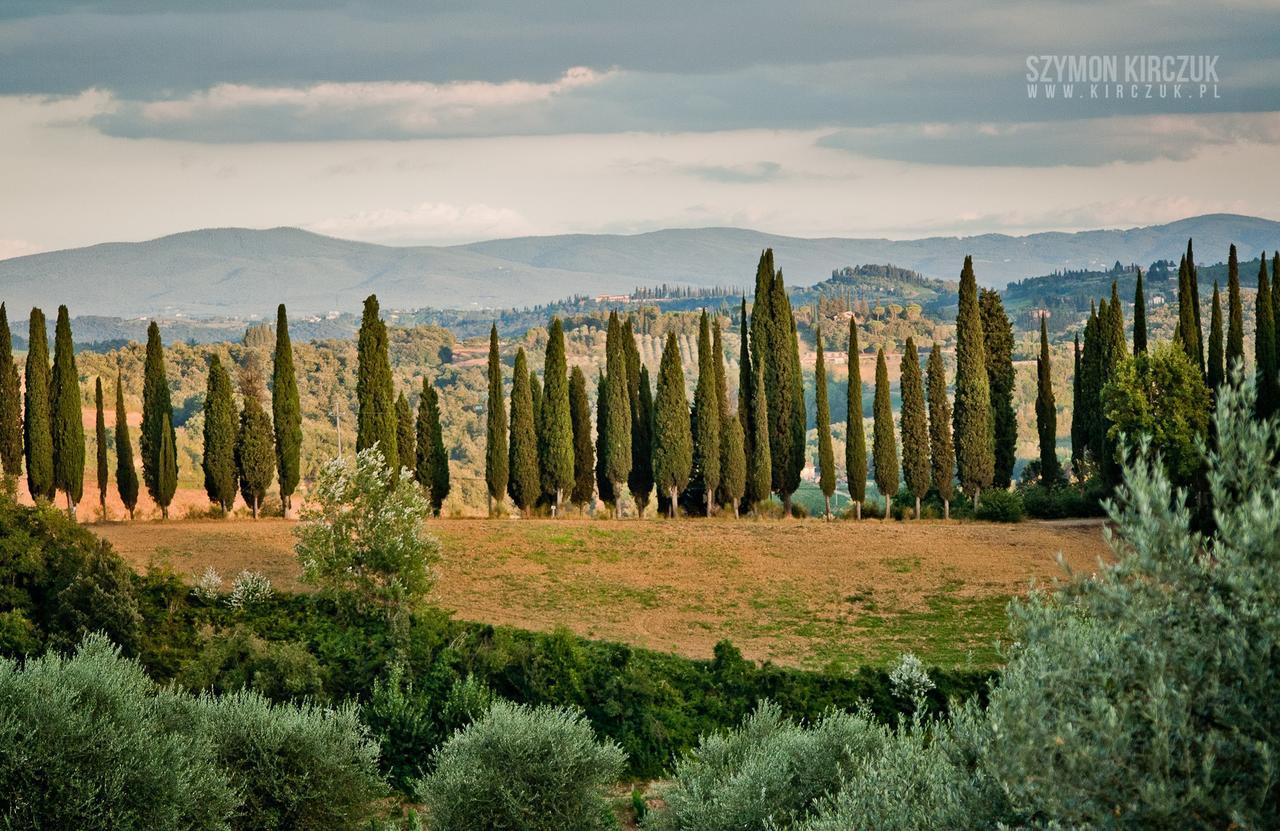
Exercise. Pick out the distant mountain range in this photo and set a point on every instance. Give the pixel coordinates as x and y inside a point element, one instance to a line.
<point>243,273</point>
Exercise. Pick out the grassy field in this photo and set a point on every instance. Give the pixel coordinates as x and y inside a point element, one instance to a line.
<point>802,593</point>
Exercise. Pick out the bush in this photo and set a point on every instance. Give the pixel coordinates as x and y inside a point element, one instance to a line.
<point>523,768</point>
<point>998,505</point>
<point>240,660</point>
<point>1059,502</point>
<point>249,589</point>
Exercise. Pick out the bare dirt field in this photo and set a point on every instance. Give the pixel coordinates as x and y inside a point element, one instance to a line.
<point>803,593</point>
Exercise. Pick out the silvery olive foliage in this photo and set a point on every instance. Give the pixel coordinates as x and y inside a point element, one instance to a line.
<point>909,680</point>
<point>209,586</point>
<point>248,589</point>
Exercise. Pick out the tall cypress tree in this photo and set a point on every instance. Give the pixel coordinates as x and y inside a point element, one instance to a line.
<point>220,434</point>
<point>884,444</point>
<point>255,454</point>
<point>733,465</point>
<point>942,455</point>
<point>1234,350</point>
<point>1047,414</point>
<point>826,455</point>
<point>406,436</point>
<point>286,414</point>
<point>604,485</point>
<point>1118,350</point>
<point>100,445</point>
<point>915,428</point>
<point>375,390</point>
<point>1275,300</point>
<point>640,479</point>
<point>10,404</point>
<point>706,417</point>
<point>1194,284</point>
<point>166,467</point>
<point>672,441</point>
<point>729,456</point>
<point>495,453</point>
<point>126,473</point>
<point>524,484</point>
<point>972,425</point>
<point>855,446</point>
<point>759,475</point>
<point>799,414</point>
<point>1091,383</point>
<point>1079,435</point>
<point>746,402</point>
<point>584,456</point>
<point>37,426</point>
<point>1216,356</point>
<point>997,334</point>
<point>66,416</point>
<point>555,437</point>
<point>431,462</point>
<point>157,424</point>
<point>772,347</point>
<point>1139,317</point>
<point>535,397</point>
<point>1187,332</point>
<point>1265,347</point>
<point>616,444</point>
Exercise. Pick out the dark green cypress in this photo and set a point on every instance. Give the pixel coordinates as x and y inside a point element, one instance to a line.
<point>406,438</point>
<point>535,396</point>
<point>100,445</point>
<point>733,464</point>
<point>826,455</point>
<point>66,415</point>
<point>616,445</point>
<point>524,484</point>
<point>495,453</point>
<point>431,463</point>
<point>746,383</point>
<point>255,454</point>
<point>1216,356</point>
<point>10,404</point>
<point>672,441</point>
<point>1047,413</point>
<point>167,467</point>
<point>1118,349</point>
<point>555,437</point>
<point>375,390</point>
<point>640,479</point>
<point>729,450</point>
<point>972,425</point>
<point>37,425</point>
<point>1091,383</point>
<point>997,334</point>
<point>286,414</point>
<point>855,447</point>
<point>706,417</point>
<point>799,415</point>
<point>422,438</point>
<point>584,456</point>
<point>1139,317</point>
<point>1194,283</point>
<point>1265,347</point>
<point>884,444</point>
<point>1187,332</point>
<point>915,428</point>
<point>942,455</point>
<point>759,475</point>
<point>1234,350</point>
<point>157,423</point>
<point>220,434</point>
<point>604,485</point>
<point>1275,300</point>
<point>1079,434</point>
<point>126,473</point>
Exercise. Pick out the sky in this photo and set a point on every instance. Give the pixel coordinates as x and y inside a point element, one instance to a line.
<point>405,122</point>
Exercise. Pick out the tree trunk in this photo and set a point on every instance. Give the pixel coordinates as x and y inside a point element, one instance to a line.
<point>888,507</point>
<point>735,508</point>
<point>786,506</point>
<point>71,508</point>
<point>488,501</point>
<point>859,504</point>
<point>617,500</point>
<point>710,503</point>
<point>555,506</point>
<point>826,514</point>
<point>254,507</point>
<point>917,507</point>
<point>946,509</point>
<point>977,498</point>
<point>164,511</point>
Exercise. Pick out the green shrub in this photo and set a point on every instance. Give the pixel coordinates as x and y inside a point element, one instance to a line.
<point>523,768</point>
<point>240,660</point>
<point>86,743</point>
<point>998,505</point>
<point>1059,502</point>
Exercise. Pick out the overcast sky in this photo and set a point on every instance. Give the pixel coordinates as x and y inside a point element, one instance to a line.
<point>385,122</point>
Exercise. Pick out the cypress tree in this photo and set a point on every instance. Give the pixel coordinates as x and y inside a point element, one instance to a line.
<point>799,415</point>
<point>942,456</point>
<point>1187,332</point>
<point>555,438</point>
<point>524,484</point>
<point>1047,414</point>
<point>640,479</point>
<point>1216,356</point>
<point>1234,350</point>
<point>972,425</point>
<point>375,391</point>
<point>67,415</point>
<point>706,417</point>
<point>37,425</point>
<point>746,401</point>
<point>584,456</point>
<point>535,396</point>
<point>1194,284</point>
<point>286,414</point>
<point>157,424</point>
<point>826,455</point>
<point>1139,317</point>
<point>672,441</point>
<point>1118,350</point>
<point>1091,383</point>
<point>255,454</point>
<point>1275,300</point>
<point>406,438</point>
<point>730,452</point>
<point>126,473</point>
<point>884,444</point>
<point>495,454</point>
<point>220,435</point>
<point>100,444</point>
<point>10,404</point>
<point>759,475</point>
<point>1265,347</point>
<point>604,485</point>
<point>431,462</point>
<point>1079,435</point>
<point>855,447</point>
<point>915,428</point>
<point>616,444</point>
<point>997,334</point>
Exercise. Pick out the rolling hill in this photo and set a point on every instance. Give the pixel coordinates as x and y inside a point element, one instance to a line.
<point>242,272</point>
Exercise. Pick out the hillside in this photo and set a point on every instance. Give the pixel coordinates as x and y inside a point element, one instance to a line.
<point>242,273</point>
